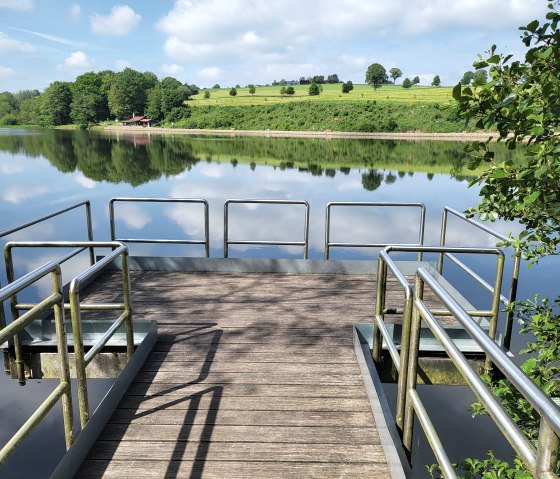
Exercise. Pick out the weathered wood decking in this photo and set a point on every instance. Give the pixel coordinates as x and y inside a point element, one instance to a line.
<point>253,375</point>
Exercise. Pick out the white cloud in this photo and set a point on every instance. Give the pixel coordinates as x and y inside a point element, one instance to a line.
<point>11,45</point>
<point>132,215</point>
<point>120,21</point>
<point>172,69</point>
<point>256,29</point>
<point>75,12</point>
<point>6,72</point>
<point>82,180</point>
<point>19,194</point>
<point>121,64</point>
<point>211,73</point>
<point>52,38</point>
<point>24,5</point>
<point>76,61</point>
<point>10,168</point>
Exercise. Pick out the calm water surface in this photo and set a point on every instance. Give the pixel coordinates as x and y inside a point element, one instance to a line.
<point>42,171</point>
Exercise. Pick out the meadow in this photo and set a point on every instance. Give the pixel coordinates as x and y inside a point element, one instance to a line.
<point>331,92</point>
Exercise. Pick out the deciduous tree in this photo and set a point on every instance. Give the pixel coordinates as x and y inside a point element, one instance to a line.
<point>395,73</point>
<point>55,104</point>
<point>436,81</point>
<point>376,75</point>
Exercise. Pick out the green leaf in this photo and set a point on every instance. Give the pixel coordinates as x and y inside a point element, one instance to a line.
<point>532,197</point>
<point>498,173</point>
<point>533,26</point>
<point>494,59</point>
<point>544,55</point>
<point>457,92</point>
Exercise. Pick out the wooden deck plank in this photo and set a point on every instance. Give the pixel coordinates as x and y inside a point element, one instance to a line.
<point>253,375</point>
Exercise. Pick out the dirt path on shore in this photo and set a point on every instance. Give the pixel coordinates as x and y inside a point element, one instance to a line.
<point>411,136</point>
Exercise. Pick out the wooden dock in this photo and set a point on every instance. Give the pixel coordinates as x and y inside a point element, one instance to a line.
<point>253,375</point>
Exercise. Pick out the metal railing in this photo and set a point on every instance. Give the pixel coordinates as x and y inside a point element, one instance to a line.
<point>515,271</point>
<point>205,241</point>
<point>330,244</point>
<point>63,391</point>
<point>540,459</point>
<point>75,307</point>
<point>304,243</point>
<point>380,331</point>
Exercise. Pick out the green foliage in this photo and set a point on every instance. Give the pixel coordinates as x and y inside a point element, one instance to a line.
<point>467,78</point>
<point>333,78</point>
<point>521,101</point>
<point>233,91</point>
<point>407,83</point>
<point>55,104</point>
<point>128,93</point>
<point>376,75</point>
<point>395,73</point>
<point>216,86</point>
<point>490,468</point>
<point>252,89</point>
<point>89,102</point>
<point>207,94</point>
<point>178,113</point>
<point>480,77</point>
<point>347,87</point>
<point>290,90</point>
<point>283,90</point>
<point>314,89</point>
<point>436,81</point>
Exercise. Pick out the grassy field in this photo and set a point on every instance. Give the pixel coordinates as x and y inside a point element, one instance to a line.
<point>331,92</point>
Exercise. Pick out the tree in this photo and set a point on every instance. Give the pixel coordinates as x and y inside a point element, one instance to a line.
<point>416,80</point>
<point>252,89</point>
<point>129,92</point>
<point>467,78</point>
<point>283,90</point>
<point>206,94</point>
<point>372,180</point>
<point>480,77</point>
<point>407,83</point>
<point>395,73</point>
<point>347,87</point>
<point>216,86</point>
<point>521,103</point>
<point>436,81</point>
<point>319,79</point>
<point>376,75</point>
<point>89,103</point>
<point>55,104</point>
<point>333,78</point>
<point>290,90</point>
<point>233,91</point>
<point>314,89</point>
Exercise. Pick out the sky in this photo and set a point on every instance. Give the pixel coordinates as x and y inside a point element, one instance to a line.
<point>233,42</point>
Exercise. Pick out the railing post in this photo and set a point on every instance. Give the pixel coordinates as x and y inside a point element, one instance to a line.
<point>62,346</point>
<point>90,232</point>
<point>404,358</point>
<point>127,306</point>
<point>493,326</point>
<point>79,353</point>
<point>226,204</point>
<point>17,350</point>
<point>306,231</point>
<point>442,239</point>
<point>327,230</point>
<point>412,373</point>
<point>206,230</point>
<point>379,308</point>
<point>512,297</point>
<point>547,451</point>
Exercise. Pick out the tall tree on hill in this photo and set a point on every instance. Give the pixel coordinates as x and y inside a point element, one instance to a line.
<point>436,81</point>
<point>89,104</point>
<point>395,73</point>
<point>467,78</point>
<point>55,104</point>
<point>376,75</point>
<point>416,80</point>
<point>333,78</point>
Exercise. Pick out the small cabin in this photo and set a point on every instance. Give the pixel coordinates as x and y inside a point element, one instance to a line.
<point>138,121</point>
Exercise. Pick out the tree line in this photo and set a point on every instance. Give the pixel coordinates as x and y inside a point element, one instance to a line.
<point>376,75</point>
<point>98,96</point>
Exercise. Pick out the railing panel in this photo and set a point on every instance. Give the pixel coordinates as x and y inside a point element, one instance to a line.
<point>330,244</point>
<point>304,243</point>
<point>204,203</point>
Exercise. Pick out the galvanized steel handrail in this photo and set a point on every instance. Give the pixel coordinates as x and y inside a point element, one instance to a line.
<point>329,244</point>
<point>304,243</point>
<point>57,213</point>
<point>508,329</point>
<point>380,331</point>
<point>541,460</point>
<point>205,241</point>
<point>63,391</point>
<point>82,360</point>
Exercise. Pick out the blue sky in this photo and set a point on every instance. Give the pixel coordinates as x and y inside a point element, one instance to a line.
<point>253,41</point>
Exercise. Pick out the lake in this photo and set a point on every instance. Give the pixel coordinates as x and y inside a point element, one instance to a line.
<point>43,171</point>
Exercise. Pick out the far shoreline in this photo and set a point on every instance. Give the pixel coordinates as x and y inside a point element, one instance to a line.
<point>409,136</point>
